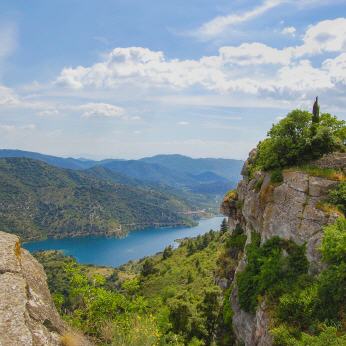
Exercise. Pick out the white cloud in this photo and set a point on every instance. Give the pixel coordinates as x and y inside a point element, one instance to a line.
<point>7,97</point>
<point>183,123</point>
<point>325,36</point>
<point>101,110</point>
<point>219,24</point>
<point>336,68</point>
<point>254,54</point>
<point>289,30</point>
<point>250,69</point>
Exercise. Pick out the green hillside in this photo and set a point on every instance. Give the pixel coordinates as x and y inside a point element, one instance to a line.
<point>38,200</point>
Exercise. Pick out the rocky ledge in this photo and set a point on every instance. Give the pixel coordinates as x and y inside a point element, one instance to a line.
<point>27,313</point>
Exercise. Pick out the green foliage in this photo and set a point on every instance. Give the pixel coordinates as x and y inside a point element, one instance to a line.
<point>331,293</point>
<point>296,140</point>
<point>337,196</point>
<point>167,252</point>
<point>148,267</point>
<point>39,200</point>
<point>276,176</point>
<point>334,242</point>
<point>224,226</point>
<point>269,271</point>
<point>312,311</point>
<point>155,301</point>
<point>329,335</point>
<point>236,242</point>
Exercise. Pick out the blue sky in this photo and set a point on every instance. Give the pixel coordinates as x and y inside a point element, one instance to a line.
<point>124,78</point>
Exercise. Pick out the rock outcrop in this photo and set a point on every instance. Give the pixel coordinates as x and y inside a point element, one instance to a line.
<point>27,313</point>
<point>291,210</point>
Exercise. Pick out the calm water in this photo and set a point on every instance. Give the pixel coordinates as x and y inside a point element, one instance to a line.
<point>114,251</point>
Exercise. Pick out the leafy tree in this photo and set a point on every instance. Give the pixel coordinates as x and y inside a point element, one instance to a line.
<point>180,314</point>
<point>210,309</point>
<point>148,267</point>
<point>291,141</point>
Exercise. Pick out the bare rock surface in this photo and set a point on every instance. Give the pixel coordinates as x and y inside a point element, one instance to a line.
<point>27,313</point>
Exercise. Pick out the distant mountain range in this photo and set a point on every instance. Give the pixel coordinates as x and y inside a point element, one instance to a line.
<point>42,195</point>
<point>205,175</point>
<point>38,200</point>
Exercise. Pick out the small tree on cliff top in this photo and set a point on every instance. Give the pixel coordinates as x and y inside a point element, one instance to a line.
<point>292,141</point>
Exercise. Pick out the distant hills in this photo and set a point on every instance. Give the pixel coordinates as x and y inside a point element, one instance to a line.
<point>207,176</point>
<point>39,200</point>
<point>43,195</point>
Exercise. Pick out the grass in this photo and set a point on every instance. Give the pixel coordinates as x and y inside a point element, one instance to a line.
<point>329,208</point>
<point>327,173</point>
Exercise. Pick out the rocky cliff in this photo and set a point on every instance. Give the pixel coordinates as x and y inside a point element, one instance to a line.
<point>27,313</point>
<point>291,210</point>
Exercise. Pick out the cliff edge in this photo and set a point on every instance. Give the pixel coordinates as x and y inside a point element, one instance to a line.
<point>27,313</point>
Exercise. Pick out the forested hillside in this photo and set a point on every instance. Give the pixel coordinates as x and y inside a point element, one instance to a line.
<point>38,200</point>
<point>208,177</point>
<point>172,298</point>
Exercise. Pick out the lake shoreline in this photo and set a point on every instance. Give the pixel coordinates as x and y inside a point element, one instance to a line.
<point>113,251</point>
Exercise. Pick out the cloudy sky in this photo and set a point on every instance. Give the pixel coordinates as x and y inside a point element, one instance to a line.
<point>127,79</point>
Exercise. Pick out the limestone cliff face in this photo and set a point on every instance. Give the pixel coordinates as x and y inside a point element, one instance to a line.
<point>27,313</point>
<point>289,210</point>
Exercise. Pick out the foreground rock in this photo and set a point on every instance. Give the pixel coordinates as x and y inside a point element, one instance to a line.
<point>27,313</point>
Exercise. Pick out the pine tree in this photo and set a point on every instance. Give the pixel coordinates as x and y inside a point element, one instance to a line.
<point>224,226</point>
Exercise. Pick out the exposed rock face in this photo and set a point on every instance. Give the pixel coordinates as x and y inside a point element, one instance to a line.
<point>289,210</point>
<point>27,313</point>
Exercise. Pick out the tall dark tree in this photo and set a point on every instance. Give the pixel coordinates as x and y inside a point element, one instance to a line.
<point>316,112</point>
<point>224,226</point>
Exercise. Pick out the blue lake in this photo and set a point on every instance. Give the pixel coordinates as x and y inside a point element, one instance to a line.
<point>115,252</point>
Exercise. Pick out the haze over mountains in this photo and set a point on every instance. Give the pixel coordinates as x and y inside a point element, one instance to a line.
<point>205,175</point>
<point>43,195</point>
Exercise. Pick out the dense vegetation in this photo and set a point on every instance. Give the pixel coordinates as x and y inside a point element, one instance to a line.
<point>38,200</point>
<point>168,299</point>
<point>306,309</point>
<point>297,139</point>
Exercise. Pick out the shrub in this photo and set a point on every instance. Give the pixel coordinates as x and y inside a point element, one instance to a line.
<point>276,176</point>
<point>334,242</point>
<point>331,293</point>
<point>337,196</point>
<point>148,267</point>
<point>297,307</point>
<point>236,242</point>
<point>269,271</point>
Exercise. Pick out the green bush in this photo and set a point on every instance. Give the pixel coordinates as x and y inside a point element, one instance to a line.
<point>334,242</point>
<point>331,293</point>
<point>296,140</point>
<point>269,271</point>
<point>297,307</point>
<point>276,176</point>
<point>337,196</point>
